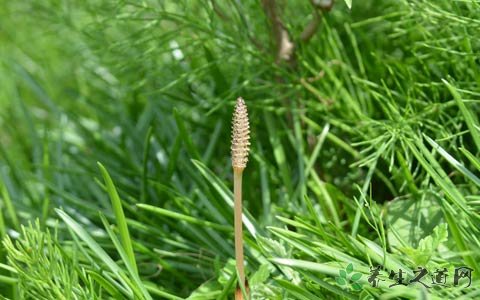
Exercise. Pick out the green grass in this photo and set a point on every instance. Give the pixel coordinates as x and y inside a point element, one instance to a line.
<point>115,173</point>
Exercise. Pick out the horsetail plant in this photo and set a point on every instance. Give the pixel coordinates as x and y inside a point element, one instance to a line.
<point>240,148</point>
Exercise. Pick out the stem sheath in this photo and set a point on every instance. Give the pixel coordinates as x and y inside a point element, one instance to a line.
<point>237,191</point>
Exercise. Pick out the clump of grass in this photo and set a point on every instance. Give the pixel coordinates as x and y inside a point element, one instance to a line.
<point>240,148</point>
<point>368,142</point>
<point>35,256</point>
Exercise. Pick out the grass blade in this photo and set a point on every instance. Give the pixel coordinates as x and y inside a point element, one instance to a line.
<point>182,217</point>
<point>119,217</point>
<point>467,115</point>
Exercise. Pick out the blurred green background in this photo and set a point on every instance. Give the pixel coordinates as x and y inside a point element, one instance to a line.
<point>365,143</point>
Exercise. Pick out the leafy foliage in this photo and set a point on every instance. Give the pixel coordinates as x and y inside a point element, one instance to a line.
<point>365,146</point>
<point>44,270</point>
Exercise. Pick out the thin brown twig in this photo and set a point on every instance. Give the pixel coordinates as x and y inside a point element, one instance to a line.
<point>284,46</point>
<point>311,27</point>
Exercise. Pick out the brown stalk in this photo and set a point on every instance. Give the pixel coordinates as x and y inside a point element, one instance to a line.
<point>240,148</point>
<point>284,46</point>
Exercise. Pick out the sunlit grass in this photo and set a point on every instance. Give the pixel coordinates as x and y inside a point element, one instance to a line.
<point>364,148</point>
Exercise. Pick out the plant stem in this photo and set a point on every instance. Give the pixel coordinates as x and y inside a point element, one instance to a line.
<point>237,191</point>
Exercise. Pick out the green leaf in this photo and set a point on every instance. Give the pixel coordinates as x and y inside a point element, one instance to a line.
<point>299,291</point>
<point>138,287</point>
<point>182,217</point>
<point>349,3</point>
<point>341,281</point>
<point>208,290</point>
<point>8,280</point>
<point>119,216</point>
<point>377,254</point>
<point>95,247</point>
<point>105,284</point>
<point>434,169</point>
<point>342,273</point>
<point>356,276</point>
<point>278,152</point>
<point>185,135</point>
<point>226,195</point>
<point>401,231</point>
<point>349,268</point>
<point>473,160</point>
<point>470,119</point>
<point>260,276</point>
<point>5,196</point>
<point>427,246</point>
<point>356,286</point>
<point>455,163</point>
